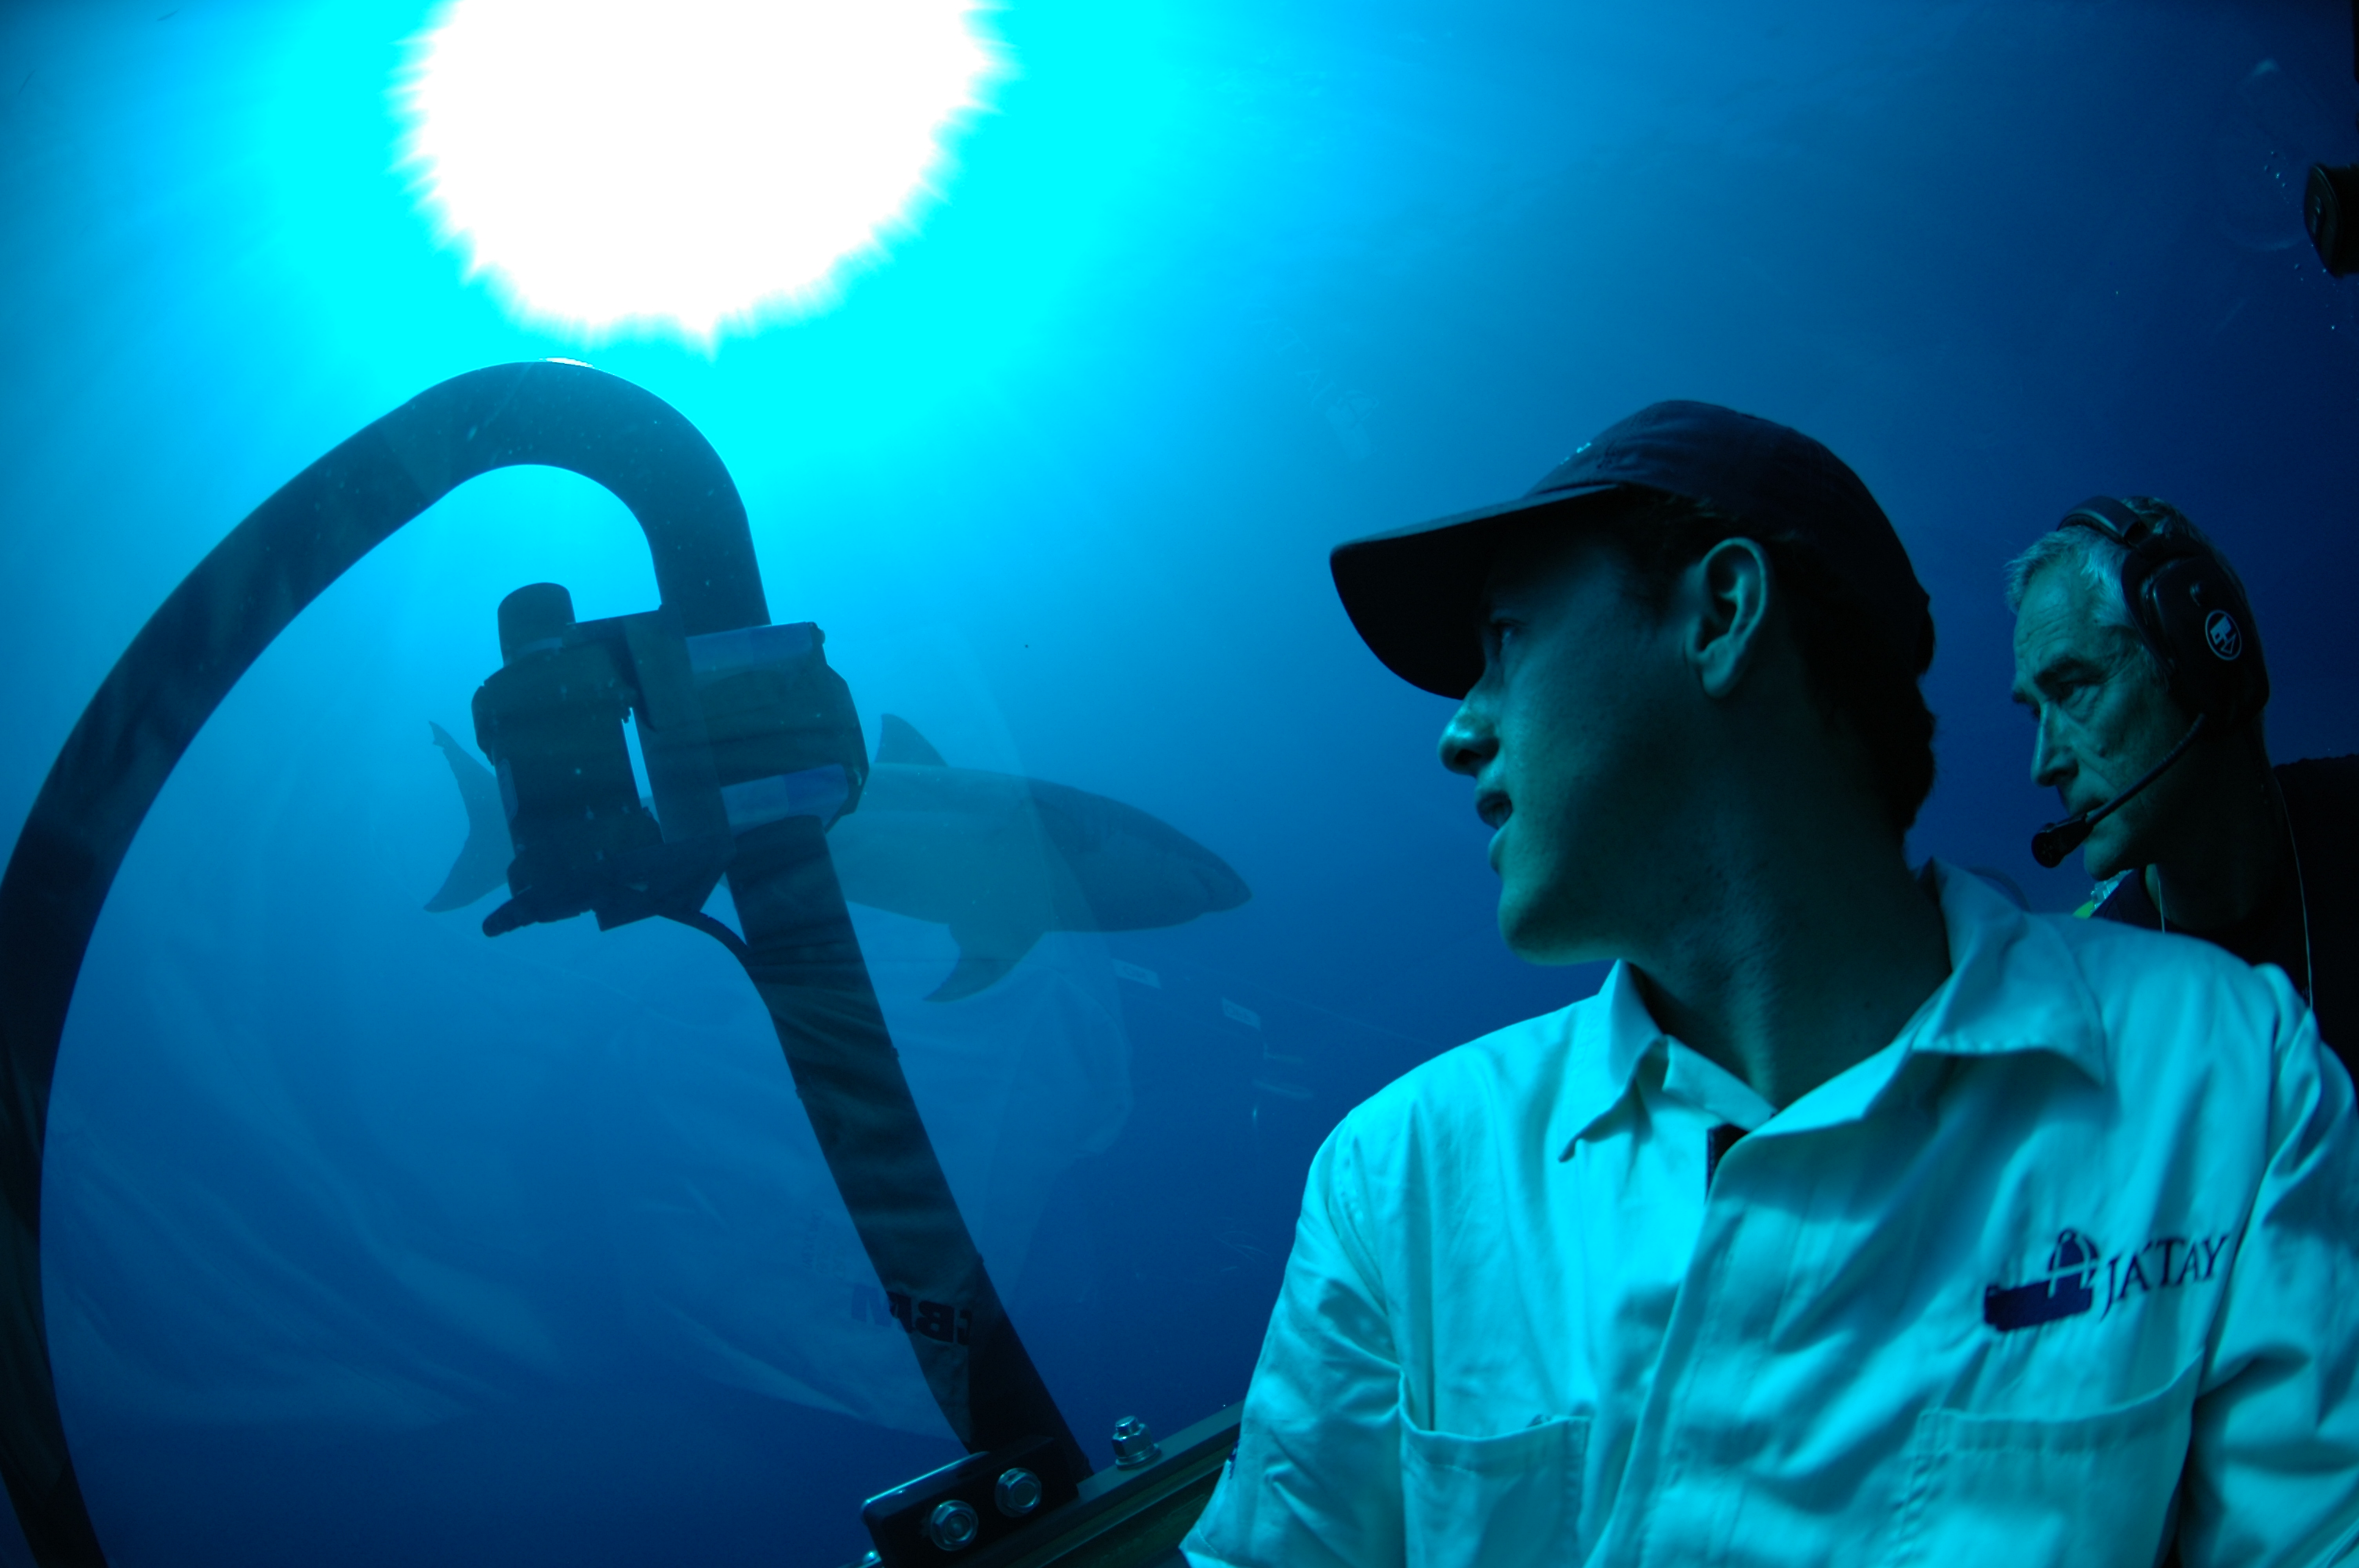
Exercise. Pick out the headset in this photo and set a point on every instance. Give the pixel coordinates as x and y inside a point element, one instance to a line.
<point>2191,613</point>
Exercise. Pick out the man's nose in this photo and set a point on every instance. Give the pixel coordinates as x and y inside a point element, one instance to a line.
<point>1468,741</point>
<point>2052,763</point>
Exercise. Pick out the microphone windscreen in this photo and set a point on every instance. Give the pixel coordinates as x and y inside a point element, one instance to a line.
<point>2057,839</point>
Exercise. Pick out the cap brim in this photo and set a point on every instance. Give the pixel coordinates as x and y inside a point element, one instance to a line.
<point>1414,595</point>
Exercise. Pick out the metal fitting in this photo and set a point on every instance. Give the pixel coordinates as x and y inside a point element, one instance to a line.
<point>953,1525</point>
<point>1019,1492</point>
<point>1134,1445</point>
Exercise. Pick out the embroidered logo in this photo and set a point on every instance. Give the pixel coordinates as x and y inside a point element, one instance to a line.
<point>2075,1267</point>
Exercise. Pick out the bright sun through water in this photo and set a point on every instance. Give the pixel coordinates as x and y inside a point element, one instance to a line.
<point>684,164</point>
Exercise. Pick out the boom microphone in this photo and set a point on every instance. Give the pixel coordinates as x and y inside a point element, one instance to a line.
<point>2057,839</point>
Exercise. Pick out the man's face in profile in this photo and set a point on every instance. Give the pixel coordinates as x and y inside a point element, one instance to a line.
<point>1572,739</point>
<point>2104,717</point>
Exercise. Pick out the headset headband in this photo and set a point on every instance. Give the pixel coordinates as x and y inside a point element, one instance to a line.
<point>2113,519</point>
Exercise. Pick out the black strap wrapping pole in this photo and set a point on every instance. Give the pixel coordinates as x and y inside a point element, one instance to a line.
<point>801,948</point>
<point>805,960</point>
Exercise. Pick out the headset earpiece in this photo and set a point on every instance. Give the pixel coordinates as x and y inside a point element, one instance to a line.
<point>2189,609</point>
<point>2215,652</point>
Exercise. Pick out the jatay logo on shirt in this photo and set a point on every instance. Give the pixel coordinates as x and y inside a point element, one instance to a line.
<point>2075,1268</point>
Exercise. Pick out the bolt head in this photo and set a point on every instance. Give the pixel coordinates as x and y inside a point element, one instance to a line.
<point>1019,1492</point>
<point>1134,1443</point>
<point>953,1525</point>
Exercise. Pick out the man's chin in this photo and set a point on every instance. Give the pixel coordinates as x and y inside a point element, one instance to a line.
<point>2107,855</point>
<point>1532,937</point>
<point>1515,927</point>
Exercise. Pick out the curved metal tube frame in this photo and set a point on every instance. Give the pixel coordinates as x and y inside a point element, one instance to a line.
<point>799,949</point>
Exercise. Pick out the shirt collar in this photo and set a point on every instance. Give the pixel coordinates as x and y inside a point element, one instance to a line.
<point>2014,984</point>
<point>2013,987</point>
<point>1613,1034</point>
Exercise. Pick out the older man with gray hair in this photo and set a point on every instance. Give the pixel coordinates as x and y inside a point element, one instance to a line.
<point>2136,655</point>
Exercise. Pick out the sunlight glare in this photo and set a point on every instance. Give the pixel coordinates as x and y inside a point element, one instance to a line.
<point>689,163</point>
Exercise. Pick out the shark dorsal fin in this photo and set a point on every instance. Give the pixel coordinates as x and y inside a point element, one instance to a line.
<point>902,743</point>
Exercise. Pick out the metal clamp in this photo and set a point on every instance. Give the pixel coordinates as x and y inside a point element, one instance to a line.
<point>972,1504</point>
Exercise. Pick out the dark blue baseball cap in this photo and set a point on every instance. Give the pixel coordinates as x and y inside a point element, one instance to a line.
<point>1416,594</point>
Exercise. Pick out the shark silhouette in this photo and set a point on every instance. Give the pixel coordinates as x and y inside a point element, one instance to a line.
<point>999,859</point>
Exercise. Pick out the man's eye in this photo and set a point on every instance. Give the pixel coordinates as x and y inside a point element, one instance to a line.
<point>2053,691</point>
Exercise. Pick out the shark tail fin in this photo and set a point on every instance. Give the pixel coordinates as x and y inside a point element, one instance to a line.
<point>984,959</point>
<point>901,744</point>
<point>482,863</point>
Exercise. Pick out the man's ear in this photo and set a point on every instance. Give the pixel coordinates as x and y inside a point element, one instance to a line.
<point>1727,596</point>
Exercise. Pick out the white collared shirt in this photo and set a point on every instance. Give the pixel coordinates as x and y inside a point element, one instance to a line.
<point>2087,1223</point>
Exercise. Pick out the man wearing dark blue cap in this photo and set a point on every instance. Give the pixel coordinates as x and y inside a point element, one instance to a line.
<point>1860,1215</point>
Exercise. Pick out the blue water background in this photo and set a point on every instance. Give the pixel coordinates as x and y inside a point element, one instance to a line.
<point>369,1240</point>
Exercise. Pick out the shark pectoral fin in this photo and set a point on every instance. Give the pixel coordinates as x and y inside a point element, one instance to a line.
<point>901,744</point>
<point>482,863</point>
<point>983,956</point>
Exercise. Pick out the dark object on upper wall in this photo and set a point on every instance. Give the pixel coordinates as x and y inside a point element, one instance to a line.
<point>2329,203</point>
<point>2330,207</point>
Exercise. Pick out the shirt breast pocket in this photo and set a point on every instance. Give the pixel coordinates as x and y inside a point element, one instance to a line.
<point>2090,1491</point>
<point>1503,1502</point>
